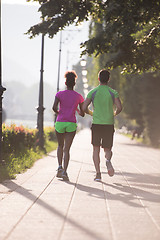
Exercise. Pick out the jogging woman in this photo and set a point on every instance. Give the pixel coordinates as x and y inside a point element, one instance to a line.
<point>65,106</point>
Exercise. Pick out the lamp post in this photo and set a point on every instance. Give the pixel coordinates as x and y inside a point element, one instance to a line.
<point>2,89</point>
<point>60,50</point>
<point>59,67</point>
<point>40,108</point>
<point>59,64</point>
<point>59,61</point>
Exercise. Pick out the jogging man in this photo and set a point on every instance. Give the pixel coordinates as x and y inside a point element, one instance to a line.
<point>103,99</point>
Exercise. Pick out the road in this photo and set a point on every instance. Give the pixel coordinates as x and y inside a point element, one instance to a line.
<point>37,205</point>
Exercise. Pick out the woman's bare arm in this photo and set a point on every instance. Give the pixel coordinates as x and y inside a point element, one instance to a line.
<point>81,112</point>
<point>55,105</point>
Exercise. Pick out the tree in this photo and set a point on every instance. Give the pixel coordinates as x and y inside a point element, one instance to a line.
<point>131,28</point>
<point>150,109</point>
<point>139,93</point>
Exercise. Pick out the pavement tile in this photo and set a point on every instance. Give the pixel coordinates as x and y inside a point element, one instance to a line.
<point>37,205</point>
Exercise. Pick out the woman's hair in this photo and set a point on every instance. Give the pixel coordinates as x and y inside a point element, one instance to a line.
<point>70,78</point>
<point>104,76</point>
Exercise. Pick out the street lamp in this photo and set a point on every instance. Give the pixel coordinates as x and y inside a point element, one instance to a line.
<point>83,63</point>
<point>2,89</point>
<point>40,108</point>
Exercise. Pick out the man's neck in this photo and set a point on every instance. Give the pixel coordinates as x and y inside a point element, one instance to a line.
<point>105,84</point>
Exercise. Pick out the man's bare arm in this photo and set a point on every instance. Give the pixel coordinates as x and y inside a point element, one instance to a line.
<point>118,106</point>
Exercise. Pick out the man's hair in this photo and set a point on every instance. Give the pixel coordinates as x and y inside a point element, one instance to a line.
<point>103,76</point>
<point>70,78</point>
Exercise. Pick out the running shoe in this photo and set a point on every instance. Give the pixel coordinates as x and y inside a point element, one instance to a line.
<point>110,168</point>
<point>65,176</point>
<point>98,177</point>
<point>59,172</point>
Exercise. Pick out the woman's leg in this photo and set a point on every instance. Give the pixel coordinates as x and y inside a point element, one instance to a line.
<point>60,139</point>
<point>69,136</point>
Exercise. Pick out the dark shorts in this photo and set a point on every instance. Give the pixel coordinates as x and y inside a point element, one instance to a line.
<point>102,135</point>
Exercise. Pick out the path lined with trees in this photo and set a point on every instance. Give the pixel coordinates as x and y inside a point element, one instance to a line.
<point>124,36</point>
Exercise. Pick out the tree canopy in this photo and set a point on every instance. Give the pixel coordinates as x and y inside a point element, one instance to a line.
<point>130,29</point>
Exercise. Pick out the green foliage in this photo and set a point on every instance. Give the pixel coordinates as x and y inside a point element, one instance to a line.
<point>50,146</point>
<point>92,70</point>
<point>18,162</point>
<point>151,103</point>
<point>133,98</point>
<point>49,133</point>
<point>121,23</point>
<point>140,99</point>
<point>16,138</point>
<point>141,102</point>
<point>129,29</point>
<point>58,14</point>
<point>20,149</point>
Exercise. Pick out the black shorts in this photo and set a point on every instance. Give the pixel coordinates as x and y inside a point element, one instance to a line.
<point>102,135</point>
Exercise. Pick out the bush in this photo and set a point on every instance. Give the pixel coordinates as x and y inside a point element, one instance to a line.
<point>50,133</point>
<point>20,148</point>
<point>16,138</point>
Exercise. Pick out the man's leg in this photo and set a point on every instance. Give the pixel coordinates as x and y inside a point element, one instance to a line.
<point>96,158</point>
<point>96,142</point>
<point>108,153</point>
<point>108,156</point>
<point>107,143</point>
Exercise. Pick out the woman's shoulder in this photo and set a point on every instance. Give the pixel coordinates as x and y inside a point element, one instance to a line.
<point>61,92</point>
<point>77,93</point>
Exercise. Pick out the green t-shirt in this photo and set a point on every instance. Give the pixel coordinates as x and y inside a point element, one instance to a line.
<point>103,101</point>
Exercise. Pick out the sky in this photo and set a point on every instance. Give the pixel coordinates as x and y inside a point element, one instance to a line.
<point>21,56</point>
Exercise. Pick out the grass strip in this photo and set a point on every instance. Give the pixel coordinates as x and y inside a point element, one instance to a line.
<point>19,162</point>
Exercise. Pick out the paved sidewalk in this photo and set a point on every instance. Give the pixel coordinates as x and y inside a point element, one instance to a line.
<point>37,205</point>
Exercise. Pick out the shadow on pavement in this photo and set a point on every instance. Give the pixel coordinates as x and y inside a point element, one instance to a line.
<point>133,192</point>
<point>36,200</point>
<point>148,180</point>
<point>127,193</point>
<point>134,144</point>
<point>98,193</point>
